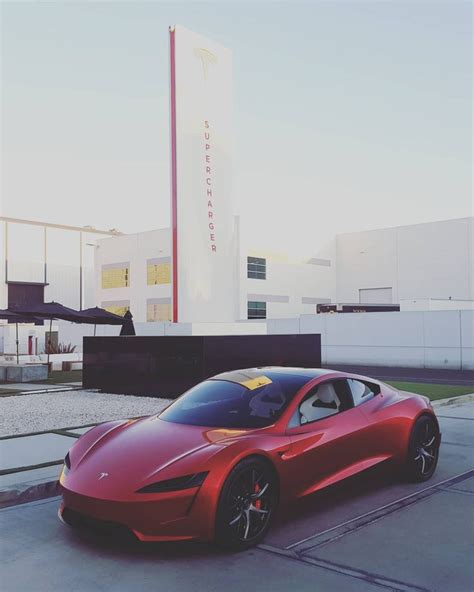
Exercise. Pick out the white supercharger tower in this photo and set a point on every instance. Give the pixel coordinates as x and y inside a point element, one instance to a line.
<point>204,242</point>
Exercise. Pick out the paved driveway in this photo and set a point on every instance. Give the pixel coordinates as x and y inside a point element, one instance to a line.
<point>368,533</point>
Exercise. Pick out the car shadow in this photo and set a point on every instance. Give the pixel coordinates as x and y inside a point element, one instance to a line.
<point>348,490</point>
<point>125,545</point>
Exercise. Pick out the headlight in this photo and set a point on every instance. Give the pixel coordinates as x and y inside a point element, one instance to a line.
<point>66,468</point>
<point>186,482</point>
<point>67,465</point>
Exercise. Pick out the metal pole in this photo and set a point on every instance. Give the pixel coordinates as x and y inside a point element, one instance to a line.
<point>6,252</point>
<point>49,338</point>
<point>95,327</point>
<point>80,271</point>
<point>45,255</point>
<point>17,350</point>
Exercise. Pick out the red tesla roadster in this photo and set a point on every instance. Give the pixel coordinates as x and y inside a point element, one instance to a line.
<point>216,463</point>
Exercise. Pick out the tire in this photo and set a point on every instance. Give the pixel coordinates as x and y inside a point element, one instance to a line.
<point>247,504</point>
<point>423,450</point>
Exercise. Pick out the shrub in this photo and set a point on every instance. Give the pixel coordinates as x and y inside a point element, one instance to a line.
<point>61,348</point>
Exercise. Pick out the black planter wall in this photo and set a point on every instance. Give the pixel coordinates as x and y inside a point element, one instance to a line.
<point>167,366</point>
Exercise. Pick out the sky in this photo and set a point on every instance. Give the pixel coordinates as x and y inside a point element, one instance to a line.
<point>348,115</point>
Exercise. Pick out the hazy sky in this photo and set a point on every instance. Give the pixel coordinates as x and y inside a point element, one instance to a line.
<point>348,115</point>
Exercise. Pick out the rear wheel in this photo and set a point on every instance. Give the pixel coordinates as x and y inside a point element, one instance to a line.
<point>423,450</point>
<point>247,503</point>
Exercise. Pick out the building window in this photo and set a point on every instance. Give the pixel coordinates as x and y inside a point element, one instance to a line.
<point>256,268</point>
<point>118,308</point>
<point>115,276</point>
<point>256,310</point>
<point>158,273</point>
<point>158,312</point>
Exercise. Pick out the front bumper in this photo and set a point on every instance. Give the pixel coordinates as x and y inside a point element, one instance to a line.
<point>172,516</point>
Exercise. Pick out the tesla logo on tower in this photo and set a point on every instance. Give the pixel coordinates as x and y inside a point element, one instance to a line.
<point>206,57</point>
<point>103,476</point>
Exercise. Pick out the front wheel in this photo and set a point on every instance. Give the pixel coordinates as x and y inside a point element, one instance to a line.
<point>247,503</point>
<point>423,450</point>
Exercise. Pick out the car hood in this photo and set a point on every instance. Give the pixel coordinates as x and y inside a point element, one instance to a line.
<point>128,455</point>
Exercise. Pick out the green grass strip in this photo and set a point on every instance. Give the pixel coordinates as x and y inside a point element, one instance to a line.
<point>433,391</point>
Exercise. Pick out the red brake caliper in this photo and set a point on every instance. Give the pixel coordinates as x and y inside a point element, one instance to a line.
<point>258,502</point>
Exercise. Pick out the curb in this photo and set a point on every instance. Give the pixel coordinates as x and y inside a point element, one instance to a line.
<point>453,400</point>
<point>15,497</point>
<point>44,391</point>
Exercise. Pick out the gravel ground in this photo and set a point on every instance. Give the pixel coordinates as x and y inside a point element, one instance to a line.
<point>38,412</point>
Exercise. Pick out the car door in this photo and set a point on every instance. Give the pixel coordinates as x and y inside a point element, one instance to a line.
<point>382,431</point>
<point>326,447</point>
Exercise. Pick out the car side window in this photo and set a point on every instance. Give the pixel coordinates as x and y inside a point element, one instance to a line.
<point>362,391</point>
<point>328,398</point>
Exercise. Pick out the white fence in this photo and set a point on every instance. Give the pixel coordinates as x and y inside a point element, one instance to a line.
<point>435,339</point>
<point>73,333</point>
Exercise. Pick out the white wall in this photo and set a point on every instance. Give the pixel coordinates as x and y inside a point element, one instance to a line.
<point>25,330</point>
<point>3,287</point>
<point>433,260</point>
<point>437,339</point>
<point>73,333</point>
<point>467,339</point>
<point>165,328</point>
<point>435,304</point>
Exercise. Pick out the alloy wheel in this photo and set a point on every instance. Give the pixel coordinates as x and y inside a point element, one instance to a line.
<point>426,449</point>
<point>250,503</point>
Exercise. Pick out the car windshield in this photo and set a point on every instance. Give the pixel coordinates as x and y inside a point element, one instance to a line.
<point>227,404</point>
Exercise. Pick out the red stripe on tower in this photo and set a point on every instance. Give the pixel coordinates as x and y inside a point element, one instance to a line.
<point>174,176</point>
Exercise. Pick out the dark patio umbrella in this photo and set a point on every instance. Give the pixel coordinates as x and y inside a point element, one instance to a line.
<point>100,316</point>
<point>128,328</point>
<point>50,310</point>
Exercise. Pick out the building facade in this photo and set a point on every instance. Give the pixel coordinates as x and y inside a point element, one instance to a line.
<point>420,266</point>
<point>44,261</point>
<point>420,261</point>
<point>385,266</point>
<point>133,272</point>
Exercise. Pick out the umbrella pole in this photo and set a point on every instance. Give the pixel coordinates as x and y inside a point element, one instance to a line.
<point>49,338</point>
<point>95,327</point>
<point>17,350</point>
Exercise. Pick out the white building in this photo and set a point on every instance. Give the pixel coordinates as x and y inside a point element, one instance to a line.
<point>134,272</point>
<point>421,267</point>
<point>40,262</point>
<point>422,262</point>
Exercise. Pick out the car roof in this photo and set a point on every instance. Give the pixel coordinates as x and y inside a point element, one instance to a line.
<point>273,372</point>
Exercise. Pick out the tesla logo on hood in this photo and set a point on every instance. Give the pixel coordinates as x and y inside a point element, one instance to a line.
<point>103,476</point>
